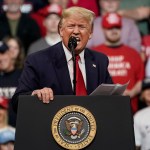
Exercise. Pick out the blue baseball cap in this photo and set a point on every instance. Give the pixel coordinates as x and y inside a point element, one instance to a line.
<point>7,135</point>
<point>3,47</point>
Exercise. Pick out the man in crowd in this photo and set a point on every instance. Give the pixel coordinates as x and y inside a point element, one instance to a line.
<point>129,35</point>
<point>52,17</point>
<point>50,72</point>
<point>125,63</point>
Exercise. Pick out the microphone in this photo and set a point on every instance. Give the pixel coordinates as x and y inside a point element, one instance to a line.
<point>72,44</point>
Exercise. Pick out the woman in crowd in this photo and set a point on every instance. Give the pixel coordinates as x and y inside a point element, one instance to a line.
<point>16,50</point>
<point>9,75</point>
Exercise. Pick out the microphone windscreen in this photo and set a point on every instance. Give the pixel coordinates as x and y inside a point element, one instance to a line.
<point>72,43</point>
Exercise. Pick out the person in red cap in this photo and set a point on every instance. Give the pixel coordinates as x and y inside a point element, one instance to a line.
<point>51,16</point>
<point>130,34</point>
<point>125,63</point>
<point>40,15</point>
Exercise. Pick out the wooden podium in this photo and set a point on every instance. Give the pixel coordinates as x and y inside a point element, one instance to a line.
<point>112,114</point>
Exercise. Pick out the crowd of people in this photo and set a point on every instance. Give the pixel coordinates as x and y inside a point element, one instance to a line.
<point>121,30</point>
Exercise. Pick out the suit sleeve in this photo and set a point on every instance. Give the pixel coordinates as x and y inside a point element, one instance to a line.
<point>27,82</point>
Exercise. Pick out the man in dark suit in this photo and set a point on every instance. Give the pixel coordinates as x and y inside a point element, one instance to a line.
<point>50,72</point>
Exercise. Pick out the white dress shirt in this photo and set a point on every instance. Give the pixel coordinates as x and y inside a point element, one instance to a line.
<point>70,64</point>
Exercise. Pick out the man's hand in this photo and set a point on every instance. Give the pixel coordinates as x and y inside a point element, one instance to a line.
<point>45,94</point>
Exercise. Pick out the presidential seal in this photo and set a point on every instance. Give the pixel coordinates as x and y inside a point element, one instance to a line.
<point>74,127</point>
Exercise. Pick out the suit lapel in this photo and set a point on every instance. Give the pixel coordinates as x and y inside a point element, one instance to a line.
<point>62,72</point>
<point>91,71</point>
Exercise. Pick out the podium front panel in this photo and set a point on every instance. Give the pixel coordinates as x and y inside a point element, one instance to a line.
<point>112,114</point>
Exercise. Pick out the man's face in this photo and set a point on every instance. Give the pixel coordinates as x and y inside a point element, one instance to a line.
<point>13,5</point>
<point>109,5</point>
<point>112,35</point>
<point>51,23</point>
<point>78,27</point>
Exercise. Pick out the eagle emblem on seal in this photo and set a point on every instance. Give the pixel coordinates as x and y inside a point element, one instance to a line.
<point>74,127</point>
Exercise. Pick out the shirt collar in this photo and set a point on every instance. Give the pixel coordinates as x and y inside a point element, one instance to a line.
<point>69,55</point>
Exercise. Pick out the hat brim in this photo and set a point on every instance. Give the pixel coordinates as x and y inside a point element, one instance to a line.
<point>112,26</point>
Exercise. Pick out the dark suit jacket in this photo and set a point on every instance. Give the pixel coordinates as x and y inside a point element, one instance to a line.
<point>48,68</point>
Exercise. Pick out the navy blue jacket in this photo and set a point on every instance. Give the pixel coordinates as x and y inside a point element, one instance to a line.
<point>48,68</point>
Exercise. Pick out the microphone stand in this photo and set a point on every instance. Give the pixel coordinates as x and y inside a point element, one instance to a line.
<point>74,70</point>
<point>72,44</point>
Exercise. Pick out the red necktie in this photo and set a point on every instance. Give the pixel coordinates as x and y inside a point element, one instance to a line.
<point>80,86</point>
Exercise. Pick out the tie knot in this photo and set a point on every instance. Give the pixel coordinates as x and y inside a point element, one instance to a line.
<point>77,58</point>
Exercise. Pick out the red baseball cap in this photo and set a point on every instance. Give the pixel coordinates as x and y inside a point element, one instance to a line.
<point>51,9</point>
<point>111,20</point>
<point>3,102</point>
